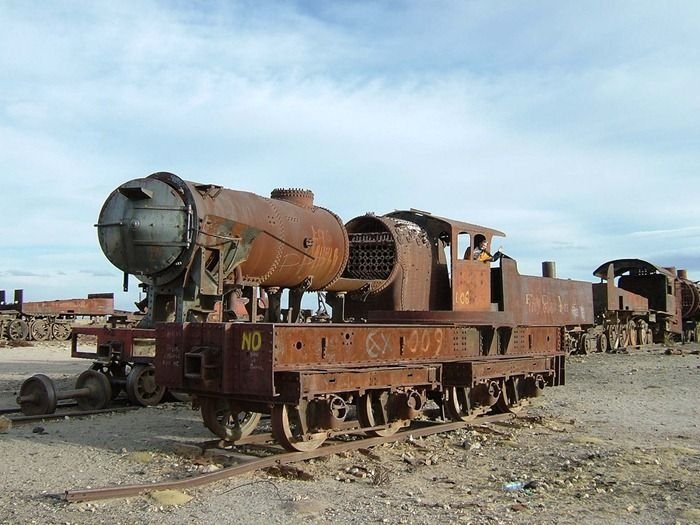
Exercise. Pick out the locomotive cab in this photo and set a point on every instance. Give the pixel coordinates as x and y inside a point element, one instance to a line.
<point>461,283</point>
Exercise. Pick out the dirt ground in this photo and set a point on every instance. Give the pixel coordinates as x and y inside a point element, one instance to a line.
<point>619,444</point>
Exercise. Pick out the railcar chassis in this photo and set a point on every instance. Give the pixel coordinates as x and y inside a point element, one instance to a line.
<point>316,380</point>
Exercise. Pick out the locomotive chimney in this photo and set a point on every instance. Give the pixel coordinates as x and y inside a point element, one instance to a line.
<point>683,274</point>
<point>549,269</point>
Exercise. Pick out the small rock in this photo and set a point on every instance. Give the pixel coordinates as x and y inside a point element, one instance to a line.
<point>169,497</point>
<point>5,424</point>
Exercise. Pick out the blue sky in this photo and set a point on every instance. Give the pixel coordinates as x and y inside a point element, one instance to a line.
<point>571,126</point>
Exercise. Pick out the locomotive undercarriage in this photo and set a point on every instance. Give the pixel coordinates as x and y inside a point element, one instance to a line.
<point>280,371</point>
<point>306,423</point>
<point>615,333</point>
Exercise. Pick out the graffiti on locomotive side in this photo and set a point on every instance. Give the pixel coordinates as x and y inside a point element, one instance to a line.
<point>251,341</point>
<point>464,297</point>
<point>428,341</point>
<point>552,304</point>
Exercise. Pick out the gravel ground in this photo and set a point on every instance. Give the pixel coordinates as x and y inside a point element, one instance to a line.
<point>619,444</point>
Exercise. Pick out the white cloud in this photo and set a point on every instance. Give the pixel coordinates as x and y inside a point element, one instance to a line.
<point>569,127</point>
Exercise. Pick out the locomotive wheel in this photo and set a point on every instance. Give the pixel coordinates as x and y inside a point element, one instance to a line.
<point>40,329</point>
<point>141,387</point>
<point>624,336</point>
<point>632,333</point>
<point>586,344</point>
<point>613,337</point>
<point>225,420</point>
<point>642,335</point>
<point>37,396</point>
<point>458,403</point>
<point>602,343</point>
<point>503,402</point>
<point>116,374</point>
<point>60,331</point>
<point>17,330</point>
<point>514,392</point>
<point>100,390</point>
<point>373,411</point>
<point>291,431</point>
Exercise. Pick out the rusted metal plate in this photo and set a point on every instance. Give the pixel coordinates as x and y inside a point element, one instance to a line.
<point>293,385</point>
<point>124,344</point>
<point>534,340</point>
<point>468,374</point>
<point>607,297</point>
<point>471,289</point>
<point>539,301</point>
<point>224,358</point>
<point>148,227</point>
<point>297,346</point>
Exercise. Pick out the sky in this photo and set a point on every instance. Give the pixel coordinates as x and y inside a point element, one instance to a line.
<point>571,126</point>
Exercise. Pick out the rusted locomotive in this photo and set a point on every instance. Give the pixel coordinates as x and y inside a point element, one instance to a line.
<point>638,303</point>
<point>43,320</point>
<point>406,316</point>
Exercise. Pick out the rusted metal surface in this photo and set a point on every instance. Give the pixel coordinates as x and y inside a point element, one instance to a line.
<point>122,344</point>
<point>94,305</point>
<point>221,358</point>
<point>166,230</point>
<point>287,362</point>
<point>307,384</point>
<point>538,301</point>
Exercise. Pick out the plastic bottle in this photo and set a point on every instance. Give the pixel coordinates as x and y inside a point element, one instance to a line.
<point>512,486</point>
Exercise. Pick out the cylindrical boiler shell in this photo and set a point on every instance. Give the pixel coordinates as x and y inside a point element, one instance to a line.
<point>150,227</point>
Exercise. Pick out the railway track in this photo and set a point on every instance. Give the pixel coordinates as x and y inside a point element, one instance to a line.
<point>280,458</point>
<point>17,418</point>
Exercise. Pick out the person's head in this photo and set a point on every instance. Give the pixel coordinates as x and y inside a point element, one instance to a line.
<point>480,242</point>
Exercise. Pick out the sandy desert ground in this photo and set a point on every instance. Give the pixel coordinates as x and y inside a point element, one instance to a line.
<point>619,444</point>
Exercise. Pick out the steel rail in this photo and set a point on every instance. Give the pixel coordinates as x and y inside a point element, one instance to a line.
<point>72,413</point>
<point>124,491</point>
